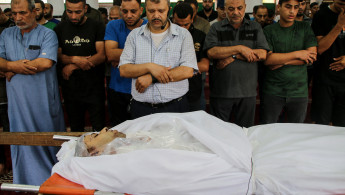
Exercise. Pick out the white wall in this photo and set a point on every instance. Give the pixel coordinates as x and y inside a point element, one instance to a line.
<point>251,3</point>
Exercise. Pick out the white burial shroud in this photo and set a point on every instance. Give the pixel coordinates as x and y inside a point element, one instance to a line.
<point>287,159</point>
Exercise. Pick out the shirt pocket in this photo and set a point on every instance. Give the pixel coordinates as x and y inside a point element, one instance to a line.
<point>174,58</point>
<point>32,54</point>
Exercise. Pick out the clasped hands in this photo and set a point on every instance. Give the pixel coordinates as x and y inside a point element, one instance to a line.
<point>18,67</point>
<point>161,73</point>
<point>245,54</point>
<point>79,62</point>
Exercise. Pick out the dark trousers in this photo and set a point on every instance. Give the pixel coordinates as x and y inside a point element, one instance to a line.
<point>139,109</point>
<point>243,109</point>
<point>295,108</point>
<point>328,104</point>
<point>6,128</point>
<point>76,110</point>
<point>119,107</point>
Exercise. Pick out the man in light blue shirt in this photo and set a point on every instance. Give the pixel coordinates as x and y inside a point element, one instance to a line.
<point>160,58</point>
<point>28,54</point>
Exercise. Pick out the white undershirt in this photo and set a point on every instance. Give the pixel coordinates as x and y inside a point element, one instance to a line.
<point>158,37</point>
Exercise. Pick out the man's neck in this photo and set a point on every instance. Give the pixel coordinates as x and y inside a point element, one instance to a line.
<point>51,17</point>
<point>285,24</point>
<point>136,25</point>
<point>42,21</point>
<point>299,18</point>
<point>29,29</point>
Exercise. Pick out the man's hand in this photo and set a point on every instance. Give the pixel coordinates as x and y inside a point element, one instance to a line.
<point>2,74</point>
<point>68,70</point>
<point>307,56</point>
<point>83,62</point>
<point>161,73</point>
<point>143,83</point>
<point>115,64</point>
<point>339,64</point>
<point>249,54</point>
<point>9,75</point>
<point>224,62</point>
<point>341,18</point>
<point>21,67</point>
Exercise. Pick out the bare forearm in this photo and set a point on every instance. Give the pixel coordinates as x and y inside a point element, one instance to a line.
<point>97,59</point>
<point>204,65</point>
<point>280,58</point>
<point>65,59</point>
<point>3,65</point>
<point>41,64</point>
<point>114,55</point>
<point>134,70</point>
<point>180,73</point>
<point>295,62</point>
<point>324,43</point>
<point>219,53</point>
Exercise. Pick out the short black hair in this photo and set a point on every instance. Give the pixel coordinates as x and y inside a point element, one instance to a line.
<point>183,10</point>
<point>313,4</point>
<point>138,1</point>
<point>255,9</point>
<point>51,6</point>
<point>40,2</point>
<point>192,2</point>
<point>77,1</point>
<point>282,1</point>
<point>7,10</point>
<point>103,10</point>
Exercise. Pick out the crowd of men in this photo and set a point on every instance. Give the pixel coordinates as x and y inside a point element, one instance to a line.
<point>158,64</point>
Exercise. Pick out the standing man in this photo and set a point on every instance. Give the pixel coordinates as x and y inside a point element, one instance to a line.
<point>236,45</point>
<point>314,7</point>
<point>48,13</point>
<point>81,57</point>
<point>114,13</point>
<point>8,13</point>
<point>329,80</point>
<point>39,6</point>
<point>160,57</point>
<point>260,15</point>
<point>293,46</point>
<point>119,94</point>
<point>198,22</point>
<point>301,12</point>
<point>207,12</point>
<point>32,89</point>
<point>221,12</point>
<point>183,16</point>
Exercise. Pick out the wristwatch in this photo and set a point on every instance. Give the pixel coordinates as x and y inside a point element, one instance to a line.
<point>234,57</point>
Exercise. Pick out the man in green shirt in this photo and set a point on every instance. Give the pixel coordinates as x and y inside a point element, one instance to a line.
<point>39,7</point>
<point>293,46</point>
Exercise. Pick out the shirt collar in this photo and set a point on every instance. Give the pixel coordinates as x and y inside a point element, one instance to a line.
<point>226,22</point>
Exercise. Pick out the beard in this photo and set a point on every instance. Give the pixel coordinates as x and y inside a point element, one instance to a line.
<point>39,17</point>
<point>207,9</point>
<point>135,22</point>
<point>48,15</point>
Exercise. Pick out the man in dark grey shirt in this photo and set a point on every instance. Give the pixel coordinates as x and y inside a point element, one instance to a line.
<point>235,45</point>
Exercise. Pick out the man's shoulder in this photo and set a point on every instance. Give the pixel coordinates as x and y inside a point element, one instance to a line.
<point>201,13</point>
<point>198,33</point>
<point>271,27</point>
<point>10,30</point>
<point>116,24</point>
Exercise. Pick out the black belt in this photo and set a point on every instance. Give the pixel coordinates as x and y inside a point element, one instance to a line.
<point>159,105</point>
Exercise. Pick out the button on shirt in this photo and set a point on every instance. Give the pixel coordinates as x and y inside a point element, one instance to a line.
<point>176,49</point>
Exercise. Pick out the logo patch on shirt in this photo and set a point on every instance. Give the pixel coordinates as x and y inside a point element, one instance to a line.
<point>248,35</point>
<point>77,41</point>
<point>197,46</point>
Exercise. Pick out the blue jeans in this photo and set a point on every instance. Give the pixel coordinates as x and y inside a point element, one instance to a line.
<point>295,108</point>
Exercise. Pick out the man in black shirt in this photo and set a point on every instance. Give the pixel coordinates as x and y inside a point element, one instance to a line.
<point>183,16</point>
<point>208,13</point>
<point>328,104</point>
<point>81,56</point>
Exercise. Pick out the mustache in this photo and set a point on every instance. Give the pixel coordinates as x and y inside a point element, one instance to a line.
<point>156,19</point>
